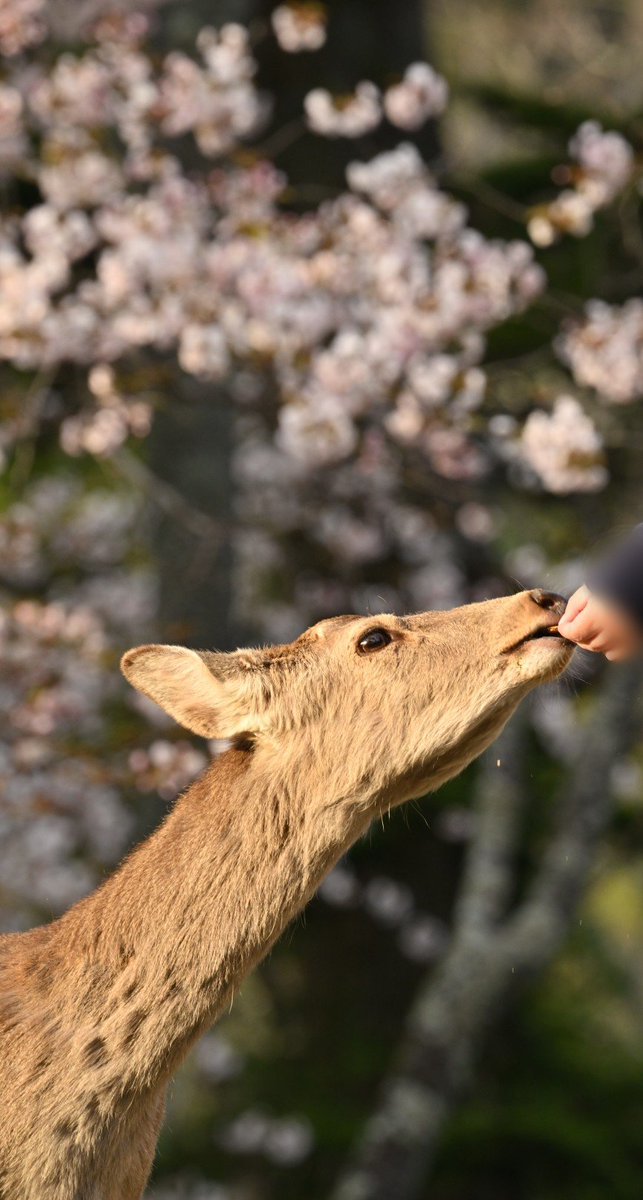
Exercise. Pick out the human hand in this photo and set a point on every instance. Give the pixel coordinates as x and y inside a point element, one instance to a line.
<point>595,624</point>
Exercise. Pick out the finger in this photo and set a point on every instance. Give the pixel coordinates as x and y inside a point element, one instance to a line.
<point>584,628</point>
<point>575,605</point>
<point>597,639</point>
<point>600,645</point>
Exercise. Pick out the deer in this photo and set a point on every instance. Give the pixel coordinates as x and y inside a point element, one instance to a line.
<point>355,717</point>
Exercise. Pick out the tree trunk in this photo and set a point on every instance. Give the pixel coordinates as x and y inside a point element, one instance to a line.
<point>193,439</point>
<point>191,448</point>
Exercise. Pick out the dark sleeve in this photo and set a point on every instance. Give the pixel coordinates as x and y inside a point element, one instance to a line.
<point>620,576</point>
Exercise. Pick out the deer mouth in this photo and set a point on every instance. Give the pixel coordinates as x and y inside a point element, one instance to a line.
<point>547,633</point>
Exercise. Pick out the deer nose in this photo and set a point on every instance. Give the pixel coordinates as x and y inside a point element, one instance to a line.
<point>549,600</point>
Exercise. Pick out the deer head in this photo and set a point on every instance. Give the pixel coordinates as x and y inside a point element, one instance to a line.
<point>370,710</point>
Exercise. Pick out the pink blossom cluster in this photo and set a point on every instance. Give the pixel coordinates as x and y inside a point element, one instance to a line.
<point>563,448</point>
<point>603,167</point>
<point>605,350</point>
<point>300,26</point>
<point>58,523</point>
<point>349,304</point>
<point>420,95</point>
<point>108,422</point>
<point>61,816</point>
<point>344,116</point>
<point>62,777</point>
<point>215,100</point>
<point>370,311</point>
<point>356,518</point>
<point>22,24</point>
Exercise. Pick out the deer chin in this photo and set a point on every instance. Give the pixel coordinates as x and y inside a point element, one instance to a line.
<point>544,655</point>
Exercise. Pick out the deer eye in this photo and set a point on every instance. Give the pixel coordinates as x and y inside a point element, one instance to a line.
<point>375,639</point>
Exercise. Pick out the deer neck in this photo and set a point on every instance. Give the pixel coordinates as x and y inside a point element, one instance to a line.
<point>159,950</point>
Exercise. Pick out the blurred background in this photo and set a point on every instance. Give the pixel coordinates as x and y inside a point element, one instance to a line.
<point>321,308</point>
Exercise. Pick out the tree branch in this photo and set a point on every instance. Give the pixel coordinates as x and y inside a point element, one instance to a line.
<point>500,795</point>
<point>166,497</point>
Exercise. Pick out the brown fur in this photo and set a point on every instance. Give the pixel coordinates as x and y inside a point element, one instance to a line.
<point>98,1009</point>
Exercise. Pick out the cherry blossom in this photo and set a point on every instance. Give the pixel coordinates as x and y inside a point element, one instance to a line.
<point>109,423</point>
<point>605,160</point>
<point>605,350</point>
<point>344,116</point>
<point>399,183</point>
<point>203,351</point>
<point>53,687</point>
<point>63,779</point>
<point>299,26</point>
<point>564,448</point>
<point>217,102</point>
<point>377,303</point>
<point>22,23</point>
<point>421,94</point>
<point>604,163</point>
<point>373,306</point>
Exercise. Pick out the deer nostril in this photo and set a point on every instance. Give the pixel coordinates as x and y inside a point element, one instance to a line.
<point>549,600</point>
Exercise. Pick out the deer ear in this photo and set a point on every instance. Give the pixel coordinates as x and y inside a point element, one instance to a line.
<point>214,695</point>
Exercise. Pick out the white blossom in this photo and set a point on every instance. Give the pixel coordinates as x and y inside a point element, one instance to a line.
<point>603,167</point>
<point>318,436</point>
<point>571,212</point>
<point>400,184</point>
<point>299,26</point>
<point>421,94</point>
<point>605,159</point>
<point>203,351</point>
<point>563,448</point>
<point>22,23</point>
<point>344,116</point>
<point>605,350</point>
<point>217,102</point>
